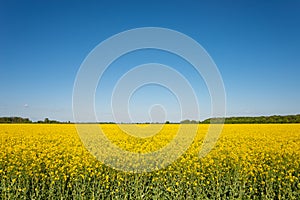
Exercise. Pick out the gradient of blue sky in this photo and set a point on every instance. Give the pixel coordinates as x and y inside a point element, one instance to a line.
<point>255,45</point>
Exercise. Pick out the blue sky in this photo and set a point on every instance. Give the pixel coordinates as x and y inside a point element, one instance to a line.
<point>255,45</point>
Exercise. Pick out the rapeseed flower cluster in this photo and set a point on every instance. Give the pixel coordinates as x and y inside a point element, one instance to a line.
<point>248,162</point>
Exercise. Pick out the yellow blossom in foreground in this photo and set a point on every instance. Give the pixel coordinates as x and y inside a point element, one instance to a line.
<point>248,161</point>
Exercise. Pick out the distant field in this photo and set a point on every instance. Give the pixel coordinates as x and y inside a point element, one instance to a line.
<point>253,161</point>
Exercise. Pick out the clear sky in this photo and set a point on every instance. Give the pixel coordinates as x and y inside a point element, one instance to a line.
<point>255,44</point>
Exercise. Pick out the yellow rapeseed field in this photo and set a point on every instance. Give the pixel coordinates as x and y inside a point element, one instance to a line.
<point>248,162</point>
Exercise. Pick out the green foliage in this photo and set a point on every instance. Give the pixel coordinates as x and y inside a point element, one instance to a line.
<point>229,120</point>
<point>257,120</point>
<point>48,121</point>
<point>14,120</point>
<point>187,121</point>
<point>20,120</point>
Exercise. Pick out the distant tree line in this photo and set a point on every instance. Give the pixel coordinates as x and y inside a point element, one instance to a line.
<point>14,120</point>
<point>187,121</point>
<point>277,119</point>
<point>20,120</point>
<point>48,121</point>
